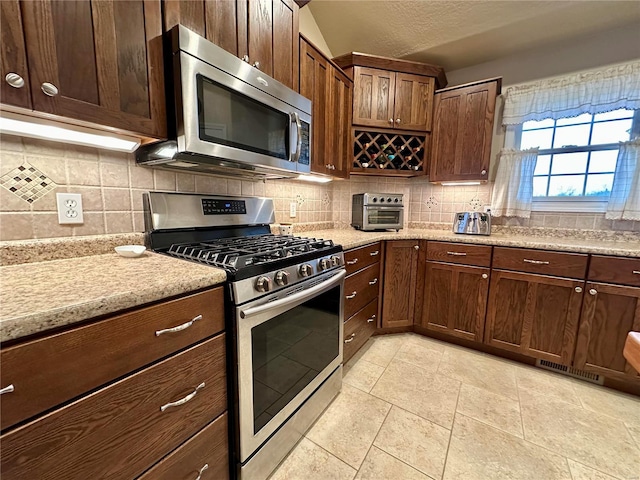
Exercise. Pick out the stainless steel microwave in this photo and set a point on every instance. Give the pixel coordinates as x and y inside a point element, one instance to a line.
<point>377,211</point>
<point>229,117</point>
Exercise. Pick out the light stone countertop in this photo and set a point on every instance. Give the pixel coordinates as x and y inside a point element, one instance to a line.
<point>35,297</point>
<point>350,238</point>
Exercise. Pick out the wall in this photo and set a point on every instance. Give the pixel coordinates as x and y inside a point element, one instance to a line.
<point>112,185</point>
<point>309,28</point>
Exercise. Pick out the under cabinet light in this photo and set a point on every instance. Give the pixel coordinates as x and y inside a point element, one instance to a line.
<point>314,178</point>
<point>23,125</point>
<point>459,183</point>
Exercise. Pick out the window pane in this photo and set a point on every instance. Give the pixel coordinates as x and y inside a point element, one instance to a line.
<point>599,185</point>
<point>542,165</point>
<point>622,113</point>
<point>569,163</point>
<point>566,185</point>
<point>574,135</point>
<point>604,161</point>
<point>536,138</point>
<point>541,124</point>
<point>584,118</point>
<point>611,132</point>
<point>540,186</point>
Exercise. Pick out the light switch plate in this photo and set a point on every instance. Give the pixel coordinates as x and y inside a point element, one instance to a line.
<point>69,208</point>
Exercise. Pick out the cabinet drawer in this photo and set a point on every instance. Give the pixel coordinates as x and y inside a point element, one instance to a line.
<point>359,328</point>
<point>49,371</point>
<point>615,270</point>
<point>208,447</point>
<point>360,288</point>
<point>463,253</point>
<point>572,265</point>
<point>359,258</point>
<point>120,431</point>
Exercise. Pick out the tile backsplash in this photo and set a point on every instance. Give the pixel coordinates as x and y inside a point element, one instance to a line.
<point>112,185</point>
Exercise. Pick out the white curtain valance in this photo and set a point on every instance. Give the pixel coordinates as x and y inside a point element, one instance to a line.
<point>624,202</point>
<point>593,92</point>
<point>513,189</point>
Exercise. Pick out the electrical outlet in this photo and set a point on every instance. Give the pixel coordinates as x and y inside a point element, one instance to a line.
<point>293,206</point>
<point>69,208</point>
<point>486,209</point>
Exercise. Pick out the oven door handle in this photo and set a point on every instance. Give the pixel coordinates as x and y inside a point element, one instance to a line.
<point>296,297</point>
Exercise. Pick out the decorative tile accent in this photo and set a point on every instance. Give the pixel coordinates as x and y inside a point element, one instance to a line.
<point>300,199</point>
<point>431,202</point>
<point>326,199</point>
<point>27,182</point>
<point>475,203</point>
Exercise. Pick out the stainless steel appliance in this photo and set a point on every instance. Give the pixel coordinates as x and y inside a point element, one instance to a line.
<point>284,316</point>
<point>230,118</point>
<point>472,223</point>
<point>377,211</point>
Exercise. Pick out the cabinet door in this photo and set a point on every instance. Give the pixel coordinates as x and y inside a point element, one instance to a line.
<point>314,84</point>
<point>413,102</point>
<point>104,60</point>
<point>260,34</point>
<point>400,273</point>
<point>221,20</point>
<point>462,132</point>
<point>189,13</point>
<point>455,299</point>
<point>373,97</point>
<point>14,57</point>
<point>608,314</point>
<point>339,123</point>
<point>534,315</point>
<point>285,42</point>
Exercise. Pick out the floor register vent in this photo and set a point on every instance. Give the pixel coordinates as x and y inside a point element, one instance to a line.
<point>570,371</point>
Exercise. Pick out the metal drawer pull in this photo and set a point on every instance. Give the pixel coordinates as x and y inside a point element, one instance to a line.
<point>206,465</point>
<point>373,254</point>
<point>49,89</point>
<point>371,319</point>
<point>593,291</point>
<point>15,80</point>
<point>182,401</point>
<point>457,254</point>
<point>350,339</point>
<point>536,262</point>
<point>353,295</point>
<point>636,272</point>
<point>373,282</point>
<point>352,262</point>
<point>7,389</point>
<point>179,327</point>
<point>578,289</point>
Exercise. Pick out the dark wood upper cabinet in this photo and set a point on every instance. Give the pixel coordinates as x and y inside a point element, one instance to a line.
<point>373,97</point>
<point>399,289</point>
<point>535,315</point>
<point>609,312</point>
<point>330,92</point>
<point>413,101</point>
<point>15,88</point>
<point>98,62</point>
<point>462,131</point>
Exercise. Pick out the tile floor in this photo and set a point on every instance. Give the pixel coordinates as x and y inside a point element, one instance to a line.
<point>416,408</point>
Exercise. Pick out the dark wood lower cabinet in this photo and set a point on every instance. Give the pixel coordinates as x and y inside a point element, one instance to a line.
<point>455,299</point>
<point>399,290</point>
<point>535,315</point>
<point>609,312</point>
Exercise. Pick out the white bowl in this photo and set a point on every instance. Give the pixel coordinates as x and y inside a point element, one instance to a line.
<point>130,250</point>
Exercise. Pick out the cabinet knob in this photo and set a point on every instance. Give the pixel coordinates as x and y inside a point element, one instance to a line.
<point>485,276</point>
<point>14,80</point>
<point>593,291</point>
<point>483,172</point>
<point>391,121</point>
<point>257,65</point>
<point>578,289</point>
<point>398,121</point>
<point>245,58</point>
<point>416,247</point>
<point>49,89</point>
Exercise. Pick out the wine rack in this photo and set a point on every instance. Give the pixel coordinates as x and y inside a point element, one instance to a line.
<point>380,153</point>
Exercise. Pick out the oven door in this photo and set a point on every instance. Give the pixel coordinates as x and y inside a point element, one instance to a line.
<point>382,217</point>
<point>288,344</point>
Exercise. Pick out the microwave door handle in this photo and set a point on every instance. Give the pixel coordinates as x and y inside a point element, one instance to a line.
<point>295,118</point>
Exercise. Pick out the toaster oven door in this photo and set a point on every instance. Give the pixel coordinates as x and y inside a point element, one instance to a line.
<point>382,217</point>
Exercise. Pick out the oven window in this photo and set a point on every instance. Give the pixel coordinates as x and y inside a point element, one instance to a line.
<point>383,217</point>
<point>290,350</point>
<point>230,118</point>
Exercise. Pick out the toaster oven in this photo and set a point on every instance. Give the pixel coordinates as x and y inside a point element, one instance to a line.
<point>377,211</point>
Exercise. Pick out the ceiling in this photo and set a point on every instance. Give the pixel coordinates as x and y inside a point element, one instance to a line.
<point>458,34</point>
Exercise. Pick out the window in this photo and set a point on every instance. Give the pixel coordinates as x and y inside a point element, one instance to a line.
<point>577,156</point>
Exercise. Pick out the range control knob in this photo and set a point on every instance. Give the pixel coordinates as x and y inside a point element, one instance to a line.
<point>263,284</point>
<point>396,200</point>
<point>374,199</point>
<point>335,260</point>
<point>282,278</point>
<point>389,199</point>
<point>324,264</point>
<point>306,270</point>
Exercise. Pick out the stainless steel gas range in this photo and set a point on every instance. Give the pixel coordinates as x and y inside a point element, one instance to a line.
<point>284,316</point>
